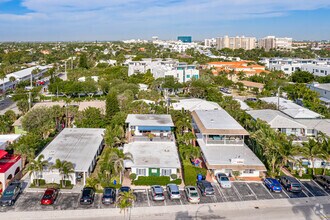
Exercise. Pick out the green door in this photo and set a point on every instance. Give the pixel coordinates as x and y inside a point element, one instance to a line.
<point>154,172</point>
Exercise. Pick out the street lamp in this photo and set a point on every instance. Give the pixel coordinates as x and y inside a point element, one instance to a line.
<point>209,210</point>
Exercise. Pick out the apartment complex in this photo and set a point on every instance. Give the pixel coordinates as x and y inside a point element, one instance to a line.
<point>323,89</point>
<point>212,42</point>
<point>221,140</point>
<point>20,76</point>
<point>238,42</point>
<point>319,67</point>
<point>272,42</point>
<point>164,68</point>
<point>152,145</point>
<point>247,67</point>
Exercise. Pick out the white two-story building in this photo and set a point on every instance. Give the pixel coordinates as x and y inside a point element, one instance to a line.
<point>152,145</point>
<point>221,140</point>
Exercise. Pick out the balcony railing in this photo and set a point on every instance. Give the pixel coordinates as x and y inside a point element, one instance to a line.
<point>156,139</point>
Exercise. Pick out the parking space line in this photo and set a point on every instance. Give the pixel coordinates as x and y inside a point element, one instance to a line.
<point>148,197</point>
<point>283,190</point>
<point>268,190</point>
<point>321,187</point>
<point>221,193</point>
<point>251,191</point>
<point>306,189</point>
<point>181,201</point>
<point>304,193</point>
<point>237,193</point>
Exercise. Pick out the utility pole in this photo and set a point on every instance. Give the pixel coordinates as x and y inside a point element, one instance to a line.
<point>278,97</point>
<point>29,101</point>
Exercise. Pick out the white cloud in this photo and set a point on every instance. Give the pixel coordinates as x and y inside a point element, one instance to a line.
<point>117,15</point>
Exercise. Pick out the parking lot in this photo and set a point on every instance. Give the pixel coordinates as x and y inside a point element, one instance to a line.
<point>240,191</point>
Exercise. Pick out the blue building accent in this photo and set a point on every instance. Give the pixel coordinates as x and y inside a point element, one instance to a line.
<point>154,128</point>
<point>185,39</point>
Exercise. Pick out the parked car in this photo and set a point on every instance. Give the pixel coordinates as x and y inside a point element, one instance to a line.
<point>290,184</point>
<point>11,193</point>
<point>192,194</point>
<point>49,196</point>
<point>273,185</point>
<point>173,191</point>
<point>157,193</point>
<point>205,187</point>
<point>223,180</point>
<point>124,189</point>
<point>109,195</point>
<point>252,99</point>
<point>323,181</point>
<point>225,90</point>
<point>87,196</point>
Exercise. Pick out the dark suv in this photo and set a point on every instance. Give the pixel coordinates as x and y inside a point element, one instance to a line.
<point>205,187</point>
<point>11,193</point>
<point>109,195</point>
<point>87,196</point>
<point>290,184</point>
<point>323,181</point>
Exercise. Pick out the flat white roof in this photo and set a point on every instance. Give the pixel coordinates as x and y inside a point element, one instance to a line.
<point>224,154</point>
<point>9,137</point>
<point>218,119</point>
<point>195,104</point>
<point>153,154</point>
<point>149,120</point>
<point>292,109</point>
<point>77,145</point>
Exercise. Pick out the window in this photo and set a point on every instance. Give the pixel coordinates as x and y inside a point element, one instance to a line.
<point>250,171</point>
<point>141,172</point>
<point>166,172</point>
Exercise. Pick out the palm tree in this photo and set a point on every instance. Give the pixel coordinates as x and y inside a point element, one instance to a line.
<point>2,77</point>
<point>117,159</point>
<point>324,142</point>
<point>36,167</point>
<point>125,201</point>
<point>311,150</point>
<point>65,168</point>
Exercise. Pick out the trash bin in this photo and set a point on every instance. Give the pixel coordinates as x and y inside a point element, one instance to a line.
<point>199,177</point>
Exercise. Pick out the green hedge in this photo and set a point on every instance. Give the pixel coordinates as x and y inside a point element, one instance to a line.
<point>318,171</point>
<point>155,180</point>
<point>40,183</point>
<point>189,174</point>
<point>66,183</point>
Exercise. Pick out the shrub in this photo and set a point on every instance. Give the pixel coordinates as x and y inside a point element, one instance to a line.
<point>41,182</point>
<point>174,176</point>
<point>132,176</point>
<point>155,180</point>
<point>189,174</point>
<point>65,183</point>
<point>236,173</point>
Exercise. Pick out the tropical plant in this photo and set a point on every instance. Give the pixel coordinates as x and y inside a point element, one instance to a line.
<point>36,167</point>
<point>312,150</point>
<point>117,158</point>
<point>65,168</point>
<point>125,201</point>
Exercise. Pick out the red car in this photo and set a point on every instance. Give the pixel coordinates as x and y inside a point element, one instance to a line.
<point>49,196</point>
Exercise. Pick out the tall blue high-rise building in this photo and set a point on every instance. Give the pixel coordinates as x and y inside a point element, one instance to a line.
<point>185,39</point>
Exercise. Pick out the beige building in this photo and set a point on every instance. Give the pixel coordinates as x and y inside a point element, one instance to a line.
<point>246,43</point>
<point>270,42</point>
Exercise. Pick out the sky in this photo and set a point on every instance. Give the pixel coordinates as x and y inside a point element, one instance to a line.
<point>90,20</point>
